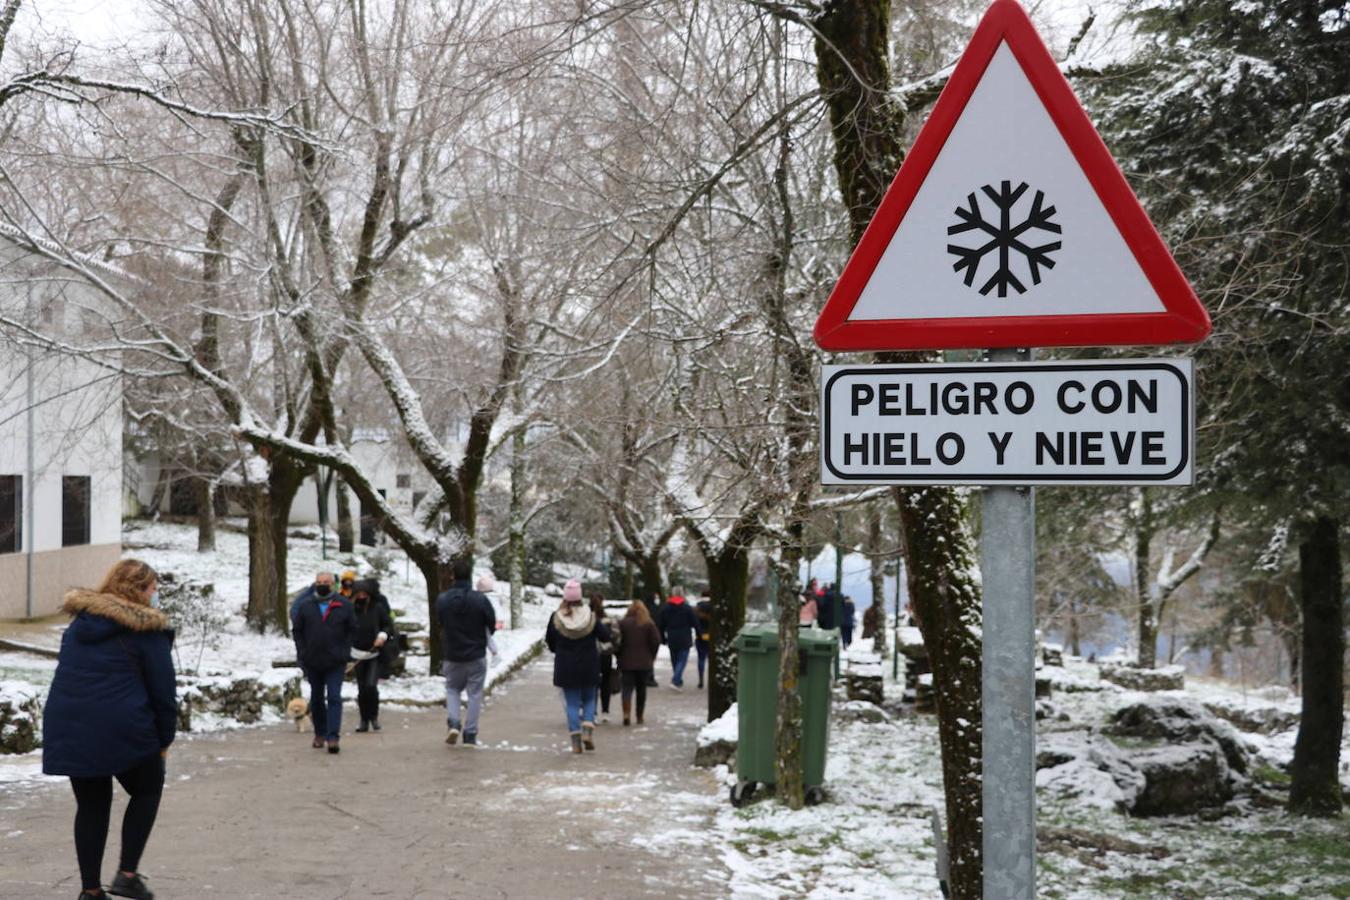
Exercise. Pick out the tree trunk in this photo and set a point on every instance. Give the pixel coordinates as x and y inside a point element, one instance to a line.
<point>728,578</point>
<point>1075,645</point>
<point>789,771</point>
<point>206,515</point>
<point>262,569</point>
<point>160,492</point>
<point>345,529</point>
<point>946,603</point>
<point>649,570</point>
<point>877,576</point>
<point>437,576</point>
<point>285,480</point>
<point>515,544</point>
<point>1315,789</point>
<point>1148,622</point>
<point>852,43</point>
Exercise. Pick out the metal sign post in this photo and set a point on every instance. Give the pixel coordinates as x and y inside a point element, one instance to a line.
<point>1008,690</point>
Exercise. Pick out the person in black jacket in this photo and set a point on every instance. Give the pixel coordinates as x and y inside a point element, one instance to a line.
<point>703,610</point>
<point>678,624</point>
<point>112,712</point>
<point>466,619</point>
<point>374,627</point>
<point>573,635</point>
<point>323,632</point>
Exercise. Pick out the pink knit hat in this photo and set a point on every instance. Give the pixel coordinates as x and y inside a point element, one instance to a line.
<point>572,591</point>
<point>486,584</point>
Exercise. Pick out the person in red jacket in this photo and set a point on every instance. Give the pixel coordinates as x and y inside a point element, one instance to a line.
<point>678,624</point>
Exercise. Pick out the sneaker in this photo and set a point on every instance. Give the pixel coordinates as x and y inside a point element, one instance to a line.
<point>363,727</point>
<point>133,886</point>
<point>604,718</point>
<point>317,743</point>
<point>375,724</point>
<point>676,687</point>
<point>86,895</point>
<point>470,738</point>
<point>333,747</point>
<point>453,736</point>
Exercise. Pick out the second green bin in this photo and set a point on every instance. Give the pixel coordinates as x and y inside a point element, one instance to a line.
<point>757,701</point>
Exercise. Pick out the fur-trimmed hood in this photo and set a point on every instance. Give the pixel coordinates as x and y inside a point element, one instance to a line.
<point>128,615</point>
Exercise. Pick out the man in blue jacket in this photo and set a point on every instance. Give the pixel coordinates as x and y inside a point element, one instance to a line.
<point>466,618</point>
<point>323,630</point>
<point>678,624</point>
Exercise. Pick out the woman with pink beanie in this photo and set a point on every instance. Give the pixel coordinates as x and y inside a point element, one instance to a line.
<point>573,636</point>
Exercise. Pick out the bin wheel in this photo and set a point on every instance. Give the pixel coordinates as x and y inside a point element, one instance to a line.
<point>742,792</point>
<point>814,796</point>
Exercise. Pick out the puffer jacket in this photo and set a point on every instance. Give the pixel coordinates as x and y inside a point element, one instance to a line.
<point>113,703</point>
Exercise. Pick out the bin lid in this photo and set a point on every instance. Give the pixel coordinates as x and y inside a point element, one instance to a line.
<point>764,639</point>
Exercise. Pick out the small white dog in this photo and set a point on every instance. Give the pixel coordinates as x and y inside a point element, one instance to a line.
<point>298,711</point>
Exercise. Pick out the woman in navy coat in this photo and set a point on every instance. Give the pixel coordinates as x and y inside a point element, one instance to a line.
<point>112,712</point>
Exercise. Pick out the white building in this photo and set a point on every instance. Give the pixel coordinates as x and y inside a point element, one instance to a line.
<point>60,438</point>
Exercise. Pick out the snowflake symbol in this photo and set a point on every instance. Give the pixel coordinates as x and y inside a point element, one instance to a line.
<point>1005,237</point>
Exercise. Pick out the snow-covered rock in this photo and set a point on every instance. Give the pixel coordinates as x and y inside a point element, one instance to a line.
<point>1180,720</point>
<point>717,740</point>
<point>243,700</point>
<point>1182,779</point>
<point>20,720</point>
<point>1088,769</point>
<point>1262,719</point>
<point>1167,678</point>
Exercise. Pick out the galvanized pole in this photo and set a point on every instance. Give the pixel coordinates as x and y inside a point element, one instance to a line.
<point>1008,563</point>
<point>30,465</point>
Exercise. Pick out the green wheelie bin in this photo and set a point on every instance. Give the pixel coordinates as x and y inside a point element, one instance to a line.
<point>757,707</point>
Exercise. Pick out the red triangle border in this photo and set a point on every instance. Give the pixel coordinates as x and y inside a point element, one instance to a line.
<point>1184,319</point>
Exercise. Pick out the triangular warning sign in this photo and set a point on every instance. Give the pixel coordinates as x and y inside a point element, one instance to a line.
<point>1009,224</point>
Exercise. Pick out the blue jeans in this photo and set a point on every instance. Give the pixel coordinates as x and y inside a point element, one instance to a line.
<point>326,713</point>
<point>579,702</point>
<point>679,658</point>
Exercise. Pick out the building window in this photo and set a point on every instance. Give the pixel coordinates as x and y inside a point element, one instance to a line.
<point>11,513</point>
<point>417,498</point>
<point>75,494</point>
<point>403,481</point>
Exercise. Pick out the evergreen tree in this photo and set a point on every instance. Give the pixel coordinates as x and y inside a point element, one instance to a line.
<point>1234,121</point>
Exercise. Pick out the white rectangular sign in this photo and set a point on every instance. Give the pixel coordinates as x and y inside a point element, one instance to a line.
<point>1072,422</point>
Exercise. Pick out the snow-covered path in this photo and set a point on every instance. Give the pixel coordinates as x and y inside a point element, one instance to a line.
<point>258,814</point>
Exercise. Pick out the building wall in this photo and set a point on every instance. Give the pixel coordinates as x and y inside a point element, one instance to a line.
<point>76,416</point>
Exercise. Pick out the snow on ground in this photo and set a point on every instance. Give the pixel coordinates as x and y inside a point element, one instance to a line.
<point>873,836</point>
<point>235,651</point>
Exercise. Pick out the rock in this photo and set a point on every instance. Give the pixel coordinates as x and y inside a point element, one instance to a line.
<point>1090,770</point>
<point>241,699</point>
<point>20,721</point>
<point>1183,779</point>
<point>1258,719</point>
<point>1042,687</point>
<point>861,711</point>
<point>870,688</point>
<point>925,699</point>
<point>1180,720</point>
<point>1052,655</point>
<point>1168,678</point>
<point>715,753</point>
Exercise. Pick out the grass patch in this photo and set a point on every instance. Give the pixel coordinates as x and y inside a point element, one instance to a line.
<point>1271,775</point>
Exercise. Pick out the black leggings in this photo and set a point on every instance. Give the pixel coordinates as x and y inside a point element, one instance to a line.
<point>368,688</point>
<point>606,675</point>
<point>93,808</point>
<point>636,680</point>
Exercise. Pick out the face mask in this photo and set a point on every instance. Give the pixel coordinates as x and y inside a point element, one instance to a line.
<point>323,590</point>
<point>154,599</point>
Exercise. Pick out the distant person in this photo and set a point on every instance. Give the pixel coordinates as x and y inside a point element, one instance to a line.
<point>345,582</point>
<point>606,655</point>
<point>846,621</point>
<point>678,624</point>
<point>323,631</point>
<point>825,608</point>
<point>807,614</point>
<point>703,640</point>
<point>322,588</point>
<point>112,712</point>
<point>573,636</point>
<point>485,585</point>
<point>639,641</point>
<point>466,619</point>
<point>374,628</point>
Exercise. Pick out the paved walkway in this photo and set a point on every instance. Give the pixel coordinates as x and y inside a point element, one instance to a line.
<point>258,814</point>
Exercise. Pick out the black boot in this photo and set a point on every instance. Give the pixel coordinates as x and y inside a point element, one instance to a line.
<point>375,723</point>
<point>133,887</point>
<point>363,727</point>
